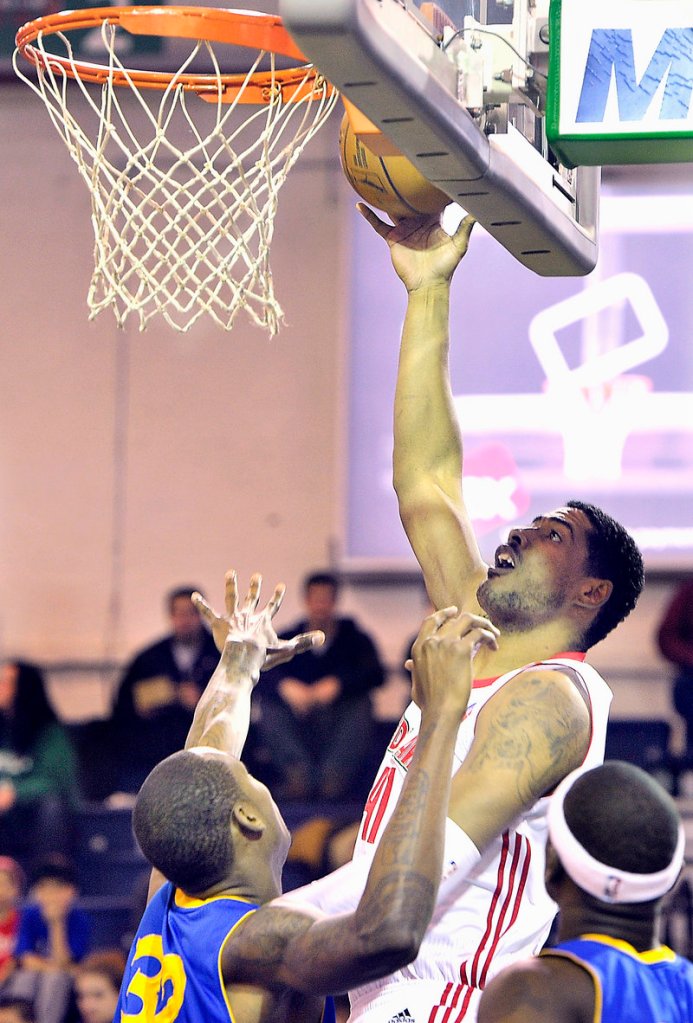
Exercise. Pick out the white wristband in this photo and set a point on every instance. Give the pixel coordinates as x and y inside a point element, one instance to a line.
<point>461,855</point>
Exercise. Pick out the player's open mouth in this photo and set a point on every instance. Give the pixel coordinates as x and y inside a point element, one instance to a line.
<point>505,558</point>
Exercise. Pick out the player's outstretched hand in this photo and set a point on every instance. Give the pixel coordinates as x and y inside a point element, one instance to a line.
<point>243,623</point>
<point>442,657</point>
<point>422,253</point>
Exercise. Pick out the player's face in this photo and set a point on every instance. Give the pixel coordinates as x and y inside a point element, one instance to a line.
<point>536,575</point>
<point>277,838</point>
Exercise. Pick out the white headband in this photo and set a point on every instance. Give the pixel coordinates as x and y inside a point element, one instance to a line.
<point>609,884</point>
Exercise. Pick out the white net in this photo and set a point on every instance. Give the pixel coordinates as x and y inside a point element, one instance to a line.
<point>183,190</point>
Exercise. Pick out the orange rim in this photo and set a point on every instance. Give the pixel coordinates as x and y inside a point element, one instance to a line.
<point>216,25</point>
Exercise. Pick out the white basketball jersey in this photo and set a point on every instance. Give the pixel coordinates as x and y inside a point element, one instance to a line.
<point>483,920</point>
<point>499,913</point>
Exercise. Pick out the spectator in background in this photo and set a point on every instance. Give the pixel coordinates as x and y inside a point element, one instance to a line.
<point>54,936</point>
<point>16,1010</point>
<point>11,888</point>
<point>316,723</point>
<point>38,778</point>
<point>97,985</point>
<point>159,691</point>
<point>675,639</point>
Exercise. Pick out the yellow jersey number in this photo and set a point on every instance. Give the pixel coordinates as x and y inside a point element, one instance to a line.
<point>151,988</point>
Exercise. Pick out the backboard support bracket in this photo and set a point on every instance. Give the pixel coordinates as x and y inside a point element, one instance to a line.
<point>385,58</point>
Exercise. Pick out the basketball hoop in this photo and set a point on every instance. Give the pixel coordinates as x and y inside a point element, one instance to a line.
<point>183,194</point>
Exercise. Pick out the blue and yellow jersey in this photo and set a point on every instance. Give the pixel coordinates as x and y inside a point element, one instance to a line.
<point>173,972</point>
<point>652,987</point>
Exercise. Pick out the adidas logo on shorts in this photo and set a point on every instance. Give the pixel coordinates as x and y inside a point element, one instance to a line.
<point>402,1017</point>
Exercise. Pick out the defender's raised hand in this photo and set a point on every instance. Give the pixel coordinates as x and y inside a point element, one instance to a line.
<point>248,644</point>
<point>243,623</point>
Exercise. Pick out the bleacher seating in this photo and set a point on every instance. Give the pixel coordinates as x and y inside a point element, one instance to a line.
<point>641,741</point>
<point>112,873</point>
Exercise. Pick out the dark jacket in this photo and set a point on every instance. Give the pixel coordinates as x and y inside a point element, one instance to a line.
<point>351,656</point>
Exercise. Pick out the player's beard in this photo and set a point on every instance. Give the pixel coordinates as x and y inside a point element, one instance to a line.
<point>517,610</point>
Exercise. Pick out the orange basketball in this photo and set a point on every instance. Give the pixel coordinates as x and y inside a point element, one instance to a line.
<point>390,183</point>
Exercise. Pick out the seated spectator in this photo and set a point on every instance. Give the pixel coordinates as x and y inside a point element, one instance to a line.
<point>16,1010</point>
<point>54,935</point>
<point>38,779</point>
<point>97,985</point>
<point>321,845</point>
<point>316,723</point>
<point>159,691</point>
<point>675,639</point>
<point>11,887</point>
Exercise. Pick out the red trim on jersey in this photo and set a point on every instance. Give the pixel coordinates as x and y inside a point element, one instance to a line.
<point>465,1005</point>
<point>446,991</point>
<point>569,655</point>
<point>446,1015</point>
<point>523,882</point>
<point>452,1005</point>
<point>566,655</point>
<point>507,897</point>
<point>500,878</point>
<point>514,896</point>
<point>513,870</point>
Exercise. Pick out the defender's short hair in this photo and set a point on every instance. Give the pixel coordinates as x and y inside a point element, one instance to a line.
<point>622,817</point>
<point>182,820</point>
<point>611,554</point>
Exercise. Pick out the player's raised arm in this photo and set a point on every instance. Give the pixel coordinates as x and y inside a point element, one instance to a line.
<point>428,447</point>
<point>248,643</point>
<point>278,945</point>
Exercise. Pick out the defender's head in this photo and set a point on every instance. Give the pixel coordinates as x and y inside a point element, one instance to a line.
<point>616,834</point>
<point>200,818</point>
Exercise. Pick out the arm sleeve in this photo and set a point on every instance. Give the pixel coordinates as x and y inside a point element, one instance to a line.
<point>338,892</point>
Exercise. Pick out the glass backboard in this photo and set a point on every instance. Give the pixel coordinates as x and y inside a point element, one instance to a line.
<point>466,107</point>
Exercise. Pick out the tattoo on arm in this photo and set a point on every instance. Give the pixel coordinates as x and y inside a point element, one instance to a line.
<point>535,733</point>
<point>281,946</point>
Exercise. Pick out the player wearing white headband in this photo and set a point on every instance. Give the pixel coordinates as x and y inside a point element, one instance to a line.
<point>616,847</point>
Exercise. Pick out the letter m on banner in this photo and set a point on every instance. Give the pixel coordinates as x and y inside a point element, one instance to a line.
<point>611,56</point>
